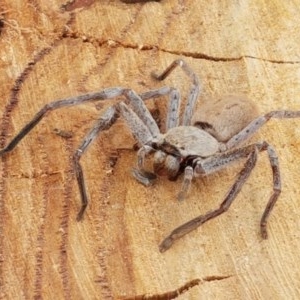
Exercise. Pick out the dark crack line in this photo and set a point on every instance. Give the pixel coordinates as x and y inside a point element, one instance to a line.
<point>114,44</point>
<point>175,293</point>
<point>226,59</point>
<point>95,42</point>
<point>76,4</point>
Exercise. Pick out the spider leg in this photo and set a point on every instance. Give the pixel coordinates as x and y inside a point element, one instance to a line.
<point>142,111</point>
<point>139,120</point>
<point>174,103</point>
<point>257,123</point>
<point>106,121</point>
<point>144,177</point>
<point>95,96</point>
<point>187,179</point>
<point>141,131</point>
<point>194,91</point>
<point>140,174</point>
<point>137,127</point>
<point>107,93</point>
<point>210,165</point>
<point>276,188</point>
<point>156,93</point>
<point>173,110</point>
<point>198,221</point>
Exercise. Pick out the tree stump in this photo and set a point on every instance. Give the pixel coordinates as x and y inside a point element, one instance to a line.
<point>57,49</point>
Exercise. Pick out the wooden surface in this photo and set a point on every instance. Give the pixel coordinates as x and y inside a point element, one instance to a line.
<point>51,50</point>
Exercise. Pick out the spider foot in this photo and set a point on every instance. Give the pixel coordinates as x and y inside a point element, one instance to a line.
<point>166,244</point>
<point>81,213</point>
<point>144,177</point>
<point>181,196</point>
<point>263,230</point>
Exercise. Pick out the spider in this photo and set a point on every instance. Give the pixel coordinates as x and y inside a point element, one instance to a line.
<point>205,141</point>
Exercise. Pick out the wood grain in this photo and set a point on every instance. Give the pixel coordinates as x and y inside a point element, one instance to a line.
<point>55,49</point>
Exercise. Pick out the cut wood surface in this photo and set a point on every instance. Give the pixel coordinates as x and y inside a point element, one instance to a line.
<point>55,49</point>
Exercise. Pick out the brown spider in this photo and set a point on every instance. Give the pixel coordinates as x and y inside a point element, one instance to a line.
<point>202,143</point>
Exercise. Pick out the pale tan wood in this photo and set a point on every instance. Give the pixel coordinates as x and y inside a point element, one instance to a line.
<point>238,47</point>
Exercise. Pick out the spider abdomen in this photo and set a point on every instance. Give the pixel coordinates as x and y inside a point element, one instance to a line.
<point>225,116</point>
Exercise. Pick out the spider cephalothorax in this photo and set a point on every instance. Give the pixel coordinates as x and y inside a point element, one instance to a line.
<point>175,148</point>
<point>204,141</point>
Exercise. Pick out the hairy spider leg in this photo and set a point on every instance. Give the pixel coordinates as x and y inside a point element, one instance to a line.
<point>140,131</point>
<point>214,164</point>
<point>256,124</point>
<point>187,179</point>
<point>173,110</point>
<point>194,90</point>
<point>72,101</point>
<point>142,127</point>
<point>105,94</point>
<point>140,174</point>
<point>174,103</point>
<point>105,121</point>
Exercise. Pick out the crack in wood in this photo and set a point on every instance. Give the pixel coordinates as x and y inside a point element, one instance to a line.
<point>68,33</point>
<point>75,4</point>
<point>115,44</point>
<point>179,291</point>
<point>226,59</point>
